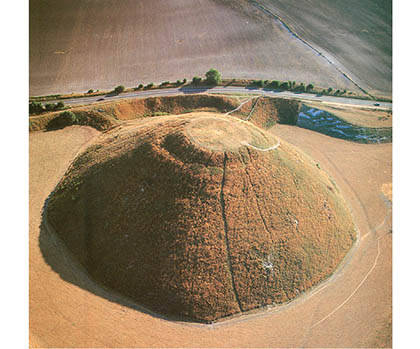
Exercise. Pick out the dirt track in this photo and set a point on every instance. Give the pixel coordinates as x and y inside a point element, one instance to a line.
<point>67,309</point>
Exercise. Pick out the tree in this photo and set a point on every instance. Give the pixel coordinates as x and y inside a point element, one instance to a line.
<point>90,91</point>
<point>213,77</point>
<point>140,86</point>
<point>119,89</point>
<point>310,87</point>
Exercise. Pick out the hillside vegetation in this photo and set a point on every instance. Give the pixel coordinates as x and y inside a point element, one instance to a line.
<point>189,216</point>
<point>105,116</point>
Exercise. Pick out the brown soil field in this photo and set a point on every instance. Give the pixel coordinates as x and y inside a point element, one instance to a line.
<point>360,116</point>
<point>185,215</point>
<point>356,35</point>
<point>76,45</point>
<point>353,309</point>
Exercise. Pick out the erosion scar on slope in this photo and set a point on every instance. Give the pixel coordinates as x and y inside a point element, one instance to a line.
<point>256,199</point>
<point>222,205</point>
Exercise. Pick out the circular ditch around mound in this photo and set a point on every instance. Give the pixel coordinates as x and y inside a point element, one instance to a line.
<point>186,217</point>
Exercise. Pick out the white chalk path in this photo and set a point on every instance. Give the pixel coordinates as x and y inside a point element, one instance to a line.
<point>239,106</point>
<point>260,149</point>
<point>363,280</point>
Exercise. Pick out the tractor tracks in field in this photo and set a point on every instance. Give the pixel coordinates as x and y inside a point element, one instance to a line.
<point>307,44</point>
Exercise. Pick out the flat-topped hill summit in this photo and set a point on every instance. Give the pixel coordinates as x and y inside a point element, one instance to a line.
<point>201,215</point>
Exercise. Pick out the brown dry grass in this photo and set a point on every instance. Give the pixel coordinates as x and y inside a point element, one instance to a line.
<point>105,116</point>
<point>192,227</point>
<point>77,45</point>
<point>68,310</point>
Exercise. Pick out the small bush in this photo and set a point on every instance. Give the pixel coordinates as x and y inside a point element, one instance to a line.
<point>49,107</point>
<point>284,86</point>
<point>329,90</point>
<point>196,80</point>
<point>150,85</point>
<point>184,81</point>
<point>66,118</point>
<point>119,89</point>
<point>310,87</point>
<point>59,106</point>
<point>36,108</point>
<point>140,86</point>
<point>258,83</point>
<point>178,82</point>
<point>165,83</point>
<point>275,84</point>
<point>300,88</point>
<point>90,91</point>
<point>266,82</point>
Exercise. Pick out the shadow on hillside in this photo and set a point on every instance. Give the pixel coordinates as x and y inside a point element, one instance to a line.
<point>60,259</point>
<point>191,89</point>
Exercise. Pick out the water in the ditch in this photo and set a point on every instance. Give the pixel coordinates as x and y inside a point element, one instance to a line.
<point>327,123</point>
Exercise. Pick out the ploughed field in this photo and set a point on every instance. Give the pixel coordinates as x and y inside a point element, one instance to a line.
<point>80,45</point>
<point>356,35</point>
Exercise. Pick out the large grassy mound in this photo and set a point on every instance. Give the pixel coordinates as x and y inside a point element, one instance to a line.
<point>200,215</point>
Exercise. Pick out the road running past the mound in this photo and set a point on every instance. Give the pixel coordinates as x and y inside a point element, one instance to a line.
<point>227,89</point>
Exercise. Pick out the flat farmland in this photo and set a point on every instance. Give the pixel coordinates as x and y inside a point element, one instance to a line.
<point>79,45</point>
<point>356,35</point>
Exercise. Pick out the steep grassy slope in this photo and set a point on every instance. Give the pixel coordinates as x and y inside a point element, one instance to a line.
<point>104,116</point>
<point>193,215</point>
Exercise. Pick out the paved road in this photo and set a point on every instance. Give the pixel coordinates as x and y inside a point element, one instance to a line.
<point>228,89</point>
